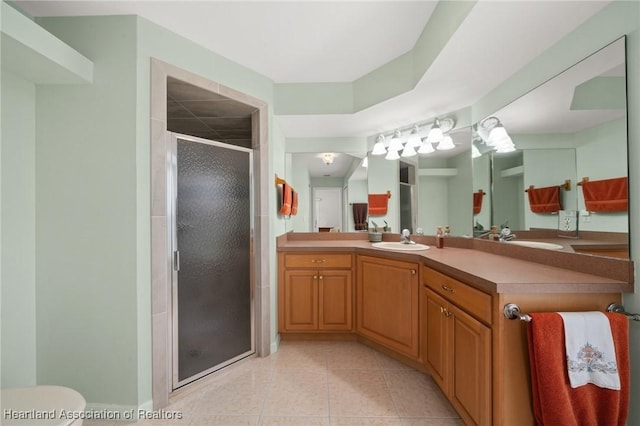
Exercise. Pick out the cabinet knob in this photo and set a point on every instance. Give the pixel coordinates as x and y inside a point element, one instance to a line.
<point>321,277</point>
<point>315,277</point>
<point>413,272</point>
<point>446,288</point>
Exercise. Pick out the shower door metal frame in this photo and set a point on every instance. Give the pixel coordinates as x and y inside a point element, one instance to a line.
<point>173,257</point>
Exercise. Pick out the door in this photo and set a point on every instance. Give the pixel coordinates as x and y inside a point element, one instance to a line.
<point>327,208</point>
<point>211,206</point>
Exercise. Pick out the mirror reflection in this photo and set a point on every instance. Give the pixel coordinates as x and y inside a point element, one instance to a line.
<point>571,128</point>
<point>328,184</point>
<point>427,190</point>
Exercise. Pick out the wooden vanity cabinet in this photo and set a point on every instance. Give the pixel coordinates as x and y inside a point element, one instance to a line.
<point>316,292</point>
<point>387,298</point>
<point>457,344</point>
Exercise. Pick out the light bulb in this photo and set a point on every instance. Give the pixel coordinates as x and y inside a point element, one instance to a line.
<point>378,148</point>
<point>426,147</point>
<point>392,155</point>
<point>445,144</point>
<point>396,142</point>
<point>409,151</point>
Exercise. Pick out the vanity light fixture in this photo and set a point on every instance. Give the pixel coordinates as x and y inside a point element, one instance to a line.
<point>414,140</point>
<point>495,135</point>
<point>395,144</point>
<point>392,155</point>
<point>327,158</point>
<point>409,151</point>
<point>415,143</point>
<point>426,147</point>
<point>435,134</point>
<point>445,144</point>
<point>379,148</point>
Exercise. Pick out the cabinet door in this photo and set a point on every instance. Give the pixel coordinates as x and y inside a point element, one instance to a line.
<point>300,300</point>
<point>470,390</point>
<point>436,353</point>
<point>335,305</point>
<point>387,303</point>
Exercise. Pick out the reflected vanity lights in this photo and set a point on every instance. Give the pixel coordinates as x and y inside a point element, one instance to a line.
<point>414,143</point>
<point>495,136</point>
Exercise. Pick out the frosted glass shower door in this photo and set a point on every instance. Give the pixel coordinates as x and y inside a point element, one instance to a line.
<point>212,298</point>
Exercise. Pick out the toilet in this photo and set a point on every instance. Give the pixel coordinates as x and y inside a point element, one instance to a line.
<point>41,406</point>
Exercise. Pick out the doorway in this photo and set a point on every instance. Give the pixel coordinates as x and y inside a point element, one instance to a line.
<point>164,107</point>
<point>211,203</point>
<point>327,209</point>
<point>407,196</point>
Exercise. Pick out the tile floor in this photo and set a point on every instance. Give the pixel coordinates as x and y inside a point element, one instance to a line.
<point>312,383</point>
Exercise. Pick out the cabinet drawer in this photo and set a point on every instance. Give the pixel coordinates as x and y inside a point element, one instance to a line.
<point>467,298</point>
<point>317,260</point>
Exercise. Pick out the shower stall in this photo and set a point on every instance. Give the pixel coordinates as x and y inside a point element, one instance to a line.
<point>210,220</point>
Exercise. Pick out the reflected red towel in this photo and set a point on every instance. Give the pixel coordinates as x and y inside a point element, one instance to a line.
<point>378,204</point>
<point>287,199</point>
<point>477,201</point>
<point>608,195</point>
<point>544,200</point>
<point>294,203</point>
<point>554,401</point>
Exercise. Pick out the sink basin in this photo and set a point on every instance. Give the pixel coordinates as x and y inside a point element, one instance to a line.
<point>536,244</point>
<point>388,245</point>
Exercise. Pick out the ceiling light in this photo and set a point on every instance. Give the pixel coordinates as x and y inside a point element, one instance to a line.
<point>395,144</point>
<point>327,158</point>
<point>445,144</point>
<point>414,139</point>
<point>426,147</point>
<point>378,148</point>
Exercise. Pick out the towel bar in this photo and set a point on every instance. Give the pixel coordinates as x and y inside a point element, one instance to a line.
<point>512,311</point>
<point>614,307</point>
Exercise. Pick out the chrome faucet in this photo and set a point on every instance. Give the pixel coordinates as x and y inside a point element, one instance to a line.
<point>506,235</point>
<point>405,237</point>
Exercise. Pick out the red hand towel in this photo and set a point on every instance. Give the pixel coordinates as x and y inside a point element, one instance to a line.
<point>544,200</point>
<point>477,201</point>
<point>378,204</point>
<point>608,195</point>
<point>554,401</point>
<point>294,203</point>
<point>287,198</point>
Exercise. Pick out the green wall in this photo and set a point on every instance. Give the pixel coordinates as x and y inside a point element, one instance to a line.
<point>18,247</point>
<point>88,265</point>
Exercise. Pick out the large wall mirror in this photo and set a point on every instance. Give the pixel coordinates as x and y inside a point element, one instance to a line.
<point>427,190</point>
<point>572,127</point>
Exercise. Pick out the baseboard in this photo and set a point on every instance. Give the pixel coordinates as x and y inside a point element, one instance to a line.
<point>275,345</point>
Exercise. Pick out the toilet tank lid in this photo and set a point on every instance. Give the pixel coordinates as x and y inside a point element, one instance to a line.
<point>40,399</point>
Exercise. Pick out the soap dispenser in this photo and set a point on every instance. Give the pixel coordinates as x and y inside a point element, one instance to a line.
<point>439,238</point>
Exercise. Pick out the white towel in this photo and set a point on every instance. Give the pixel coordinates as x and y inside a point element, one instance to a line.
<point>591,354</point>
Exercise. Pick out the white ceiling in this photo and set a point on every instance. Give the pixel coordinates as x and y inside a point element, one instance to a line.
<point>339,41</point>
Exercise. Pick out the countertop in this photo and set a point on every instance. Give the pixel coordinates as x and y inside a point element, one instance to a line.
<point>487,265</point>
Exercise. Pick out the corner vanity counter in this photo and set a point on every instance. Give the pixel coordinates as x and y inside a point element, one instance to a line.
<point>441,310</point>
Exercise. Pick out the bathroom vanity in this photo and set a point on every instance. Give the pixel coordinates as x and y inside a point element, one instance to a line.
<point>441,310</point>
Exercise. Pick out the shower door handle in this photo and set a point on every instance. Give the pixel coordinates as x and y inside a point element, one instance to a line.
<point>176,260</point>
